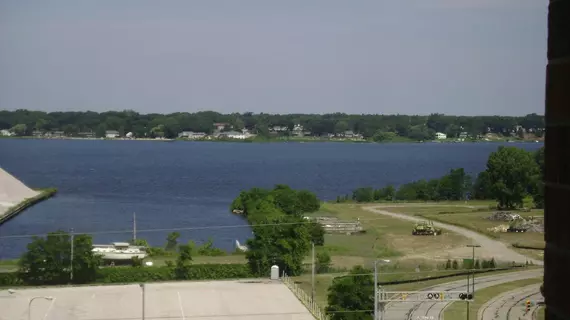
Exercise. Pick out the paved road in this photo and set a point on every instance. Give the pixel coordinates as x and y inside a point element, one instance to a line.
<point>432,311</point>
<point>511,305</point>
<point>494,247</point>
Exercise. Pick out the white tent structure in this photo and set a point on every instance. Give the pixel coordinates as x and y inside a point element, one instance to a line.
<point>12,191</point>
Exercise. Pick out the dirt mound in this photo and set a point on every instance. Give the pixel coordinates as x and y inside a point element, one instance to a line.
<point>504,216</point>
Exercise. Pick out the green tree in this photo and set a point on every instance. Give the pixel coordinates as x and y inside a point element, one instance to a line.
<point>172,241</point>
<point>354,292</point>
<point>538,183</point>
<point>511,171</point>
<point>455,265</point>
<point>19,129</point>
<point>448,264</point>
<point>317,233</point>
<point>323,263</point>
<point>284,241</point>
<point>184,261</point>
<point>85,261</point>
<point>363,194</point>
<point>47,260</point>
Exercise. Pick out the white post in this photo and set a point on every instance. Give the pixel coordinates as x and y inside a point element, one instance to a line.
<point>71,260</point>
<point>375,291</point>
<point>143,299</point>
<point>313,273</point>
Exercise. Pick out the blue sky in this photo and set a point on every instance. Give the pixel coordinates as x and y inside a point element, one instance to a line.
<point>470,57</point>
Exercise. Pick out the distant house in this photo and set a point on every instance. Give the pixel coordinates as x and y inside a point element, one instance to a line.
<point>111,134</point>
<point>220,126</point>
<point>5,132</point>
<point>88,134</point>
<point>58,134</point>
<point>234,135</point>
<point>463,135</point>
<point>440,136</point>
<point>298,130</point>
<point>37,133</point>
<point>279,129</point>
<point>191,135</point>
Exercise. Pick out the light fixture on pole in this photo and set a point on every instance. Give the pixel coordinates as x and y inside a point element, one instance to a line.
<point>376,286</point>
<point>30,304</point>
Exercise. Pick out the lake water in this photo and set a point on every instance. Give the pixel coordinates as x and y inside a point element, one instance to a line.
<point>191,184</point>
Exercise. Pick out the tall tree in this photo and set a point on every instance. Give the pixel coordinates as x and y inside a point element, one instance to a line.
<point>511,171</point>
<point>284,241</point>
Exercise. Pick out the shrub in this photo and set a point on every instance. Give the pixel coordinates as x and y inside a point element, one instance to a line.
<point>10,279</point>
<point>455,265</point>
<point>323,262</point>
<point>448,264</point>
<point>194,272</point>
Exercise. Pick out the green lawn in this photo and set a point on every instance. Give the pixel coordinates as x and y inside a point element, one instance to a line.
<point>385,237</point>
<point>540,314</point>
<point>475,219</point>
<point>457,310</point>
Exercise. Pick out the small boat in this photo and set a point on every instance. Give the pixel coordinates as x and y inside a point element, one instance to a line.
<point>119,251</point>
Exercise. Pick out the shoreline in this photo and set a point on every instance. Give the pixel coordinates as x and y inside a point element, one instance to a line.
<point>277,140</point>
<point>27,203</point>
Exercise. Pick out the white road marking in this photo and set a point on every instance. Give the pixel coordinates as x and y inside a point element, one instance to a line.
<point>180,304</point>
<point>49,308</point>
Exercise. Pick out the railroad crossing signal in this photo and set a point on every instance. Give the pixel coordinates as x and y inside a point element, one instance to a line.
<point>528,303</point>
<point>425,296</point>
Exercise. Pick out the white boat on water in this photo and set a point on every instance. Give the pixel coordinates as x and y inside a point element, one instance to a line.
<point>119,251</point>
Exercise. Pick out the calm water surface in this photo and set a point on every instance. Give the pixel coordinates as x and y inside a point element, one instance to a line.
<point>191,184</point>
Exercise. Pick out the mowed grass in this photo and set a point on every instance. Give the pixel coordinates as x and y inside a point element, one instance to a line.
<point>476,219</point>
<point>385,237</point>
<point>457,310</point>
<point>540,313</point>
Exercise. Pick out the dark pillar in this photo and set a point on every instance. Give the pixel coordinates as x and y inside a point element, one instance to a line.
<point>557,156</point>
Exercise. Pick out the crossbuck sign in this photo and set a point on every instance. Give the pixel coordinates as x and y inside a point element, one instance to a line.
<point>424,296</point>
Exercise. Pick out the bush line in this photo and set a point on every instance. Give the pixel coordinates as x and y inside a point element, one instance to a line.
<point>524,246</point>
<point>462,273</point>
<point>152,274</point>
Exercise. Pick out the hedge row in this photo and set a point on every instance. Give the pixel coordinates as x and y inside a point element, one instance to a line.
<point>150,274</point>
<point>455,274</point>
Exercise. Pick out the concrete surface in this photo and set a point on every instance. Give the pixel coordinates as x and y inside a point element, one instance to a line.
<point>511,305</point>
<point>489,247</point>
<point>12,191</point>
<point>212,300</point>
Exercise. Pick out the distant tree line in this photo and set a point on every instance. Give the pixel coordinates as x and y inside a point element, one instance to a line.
<point>511,175</point>
<point>372,127</point>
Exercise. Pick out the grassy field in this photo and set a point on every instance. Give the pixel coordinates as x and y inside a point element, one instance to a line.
<point>385,237</point>
<point>540,313</point>
<point>457,311</point>
<point>475,219</point>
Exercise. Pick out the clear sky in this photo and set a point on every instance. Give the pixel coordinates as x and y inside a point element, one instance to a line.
<point>470,57</point>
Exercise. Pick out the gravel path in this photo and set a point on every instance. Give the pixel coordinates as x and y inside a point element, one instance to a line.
<point>511,305</point>
<point>491,247</point>
<point>432,311</point>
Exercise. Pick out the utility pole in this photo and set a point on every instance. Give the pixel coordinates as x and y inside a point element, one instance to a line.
<point>134,227</point>
<point>376,286</point>
<point>143,287</point>
<point>71,260</point>
<point>473,246</point>
<point>313,273</point>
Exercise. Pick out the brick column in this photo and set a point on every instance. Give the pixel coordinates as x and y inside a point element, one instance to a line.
<point>557,155</point>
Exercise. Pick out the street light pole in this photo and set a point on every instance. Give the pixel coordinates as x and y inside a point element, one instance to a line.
<point>143,287</point>
<point>376,286</point>
<point>473,246</point>
<point>30,305</point>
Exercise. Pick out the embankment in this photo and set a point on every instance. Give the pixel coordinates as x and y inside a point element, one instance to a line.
<point>26,203</point>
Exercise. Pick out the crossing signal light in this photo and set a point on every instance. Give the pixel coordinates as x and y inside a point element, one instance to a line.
<point>465,296</point>
<point>527,305</point>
